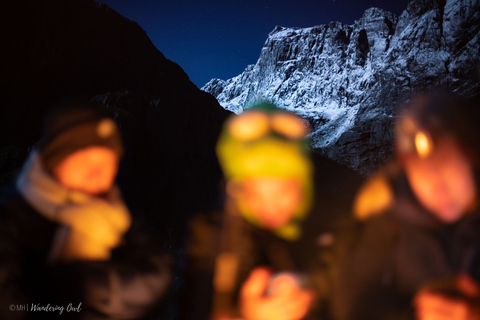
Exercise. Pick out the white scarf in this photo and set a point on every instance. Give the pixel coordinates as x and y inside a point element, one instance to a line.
<point>97,225</point>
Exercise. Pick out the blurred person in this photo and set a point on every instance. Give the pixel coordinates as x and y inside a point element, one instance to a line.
<point>256,256</point>
<point>66,236</point>
<point>416,251</point>
<point>263,153</point>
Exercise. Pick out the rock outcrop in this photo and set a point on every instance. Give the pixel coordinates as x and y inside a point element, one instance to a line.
<point>348,80</point>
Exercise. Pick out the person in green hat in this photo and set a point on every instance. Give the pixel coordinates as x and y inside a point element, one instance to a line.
<point>266,162</point>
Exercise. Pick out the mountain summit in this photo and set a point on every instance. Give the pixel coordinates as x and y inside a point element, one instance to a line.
<point>348,80</point>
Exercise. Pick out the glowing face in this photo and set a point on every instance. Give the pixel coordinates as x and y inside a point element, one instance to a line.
<point>91,170</point>
<point>443,181</point>
<point>272,200</point>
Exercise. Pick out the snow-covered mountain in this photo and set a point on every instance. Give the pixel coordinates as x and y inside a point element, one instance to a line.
<point>348,80</point>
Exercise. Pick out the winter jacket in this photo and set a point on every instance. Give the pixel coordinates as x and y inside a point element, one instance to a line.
<point>335,190</point>
<point>383,262</point>
<point>36,284</point>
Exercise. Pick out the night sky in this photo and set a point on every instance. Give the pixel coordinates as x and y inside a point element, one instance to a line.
<point>218,39</point>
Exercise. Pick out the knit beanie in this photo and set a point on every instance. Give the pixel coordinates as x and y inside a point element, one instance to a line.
<point>265,141</point>
<point>73,126</point>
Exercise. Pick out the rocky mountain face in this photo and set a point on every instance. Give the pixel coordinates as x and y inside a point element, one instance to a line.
<point>348,80</point>
<point>54,49</point>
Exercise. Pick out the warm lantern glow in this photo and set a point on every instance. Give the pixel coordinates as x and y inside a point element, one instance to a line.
<point>433,302</point>
<point>250,125</point>
<point>94,232</point>
<point>423,144</point>
<point>373,198</point>
<point>289,125</point>
<point>264,298</point>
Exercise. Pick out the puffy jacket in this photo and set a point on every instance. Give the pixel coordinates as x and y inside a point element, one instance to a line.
<point>130,285</point>
<point>334,192</point>
<point>383,261</point>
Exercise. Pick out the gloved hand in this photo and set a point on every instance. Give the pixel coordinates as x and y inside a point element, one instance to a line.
<point>463,304</point>
<point>96,227</point>
<point>286,300</point>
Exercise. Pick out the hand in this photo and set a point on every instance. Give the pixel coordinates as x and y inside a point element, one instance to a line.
<point>287,300</point>
<point>96,228</point>
<point>430,305</point>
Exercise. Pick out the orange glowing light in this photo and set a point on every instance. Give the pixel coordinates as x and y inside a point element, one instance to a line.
<point>288,301</point>
<point>250,125</point>
<point>289,125</point>
<point>373,198</point>
<point>93,233</point>
<point>423,144</point>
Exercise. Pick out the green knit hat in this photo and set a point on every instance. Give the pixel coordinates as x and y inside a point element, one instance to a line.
<point>265,141</point>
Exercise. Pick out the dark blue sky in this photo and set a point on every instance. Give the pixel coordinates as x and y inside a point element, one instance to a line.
<point>218,39</point>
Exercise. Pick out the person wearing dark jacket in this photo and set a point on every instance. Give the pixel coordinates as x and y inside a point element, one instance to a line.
<point>68,245</point>
<point>415,250</point>
<point>270,224</point>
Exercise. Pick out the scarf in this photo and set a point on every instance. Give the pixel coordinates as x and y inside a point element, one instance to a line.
<point>96,224</point>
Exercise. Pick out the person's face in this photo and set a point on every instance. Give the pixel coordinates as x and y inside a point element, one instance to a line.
<point>443,182</point>
<point>272,200</point>
<point>91,170</point>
